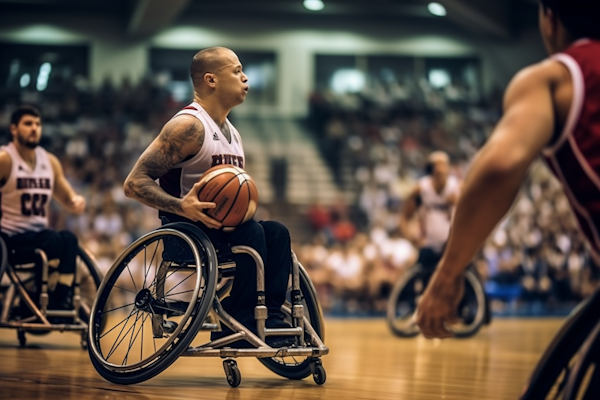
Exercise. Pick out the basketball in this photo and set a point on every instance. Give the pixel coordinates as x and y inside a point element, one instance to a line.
<point>234,193</point>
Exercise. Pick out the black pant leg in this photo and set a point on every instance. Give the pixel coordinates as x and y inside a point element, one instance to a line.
<point>277,264</point>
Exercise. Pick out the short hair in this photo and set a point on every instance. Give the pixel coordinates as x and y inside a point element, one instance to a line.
<point>206,60</point>
<point>580,17</point>
<point>23,110</point>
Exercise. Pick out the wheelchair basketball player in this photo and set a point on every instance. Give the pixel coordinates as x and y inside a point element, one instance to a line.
<point>197,138</point>
<point>550,108</point>
<point>29,177</point>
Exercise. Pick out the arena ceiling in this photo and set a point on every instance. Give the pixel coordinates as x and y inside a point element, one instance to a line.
<point>500,19</point>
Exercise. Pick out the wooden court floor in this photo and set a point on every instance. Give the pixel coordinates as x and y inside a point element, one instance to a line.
<point>366,362</point>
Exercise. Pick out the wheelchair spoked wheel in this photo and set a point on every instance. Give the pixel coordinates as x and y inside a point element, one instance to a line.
<point>300,367</point>
<point>152,303</point>
<point>402,304</point>
<point>403,301</point>
<point>559,361</point>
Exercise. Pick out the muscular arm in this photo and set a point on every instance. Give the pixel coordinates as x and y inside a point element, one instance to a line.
<point>180,138</point>
<point>492,185</point>
<point>408,211</point>
<point>63,192</point>
<point>5,167</point>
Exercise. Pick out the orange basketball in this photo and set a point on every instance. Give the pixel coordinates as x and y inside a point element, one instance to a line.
<point>234,193</point>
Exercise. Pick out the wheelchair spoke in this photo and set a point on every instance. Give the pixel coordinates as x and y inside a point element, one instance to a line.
<point>126,290</point>
<point>124,320</point>
<point>132,341</point>
<point>118,308</point>
<point>131,338</point>
<point>118,342</point>
<point>188,277</point>
<point>175,294</point>
<point>132,280</point>
<point>149,265</point>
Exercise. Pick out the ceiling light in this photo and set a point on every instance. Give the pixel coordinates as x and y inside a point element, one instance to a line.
<point>314,5</point>
<point>437,9</point>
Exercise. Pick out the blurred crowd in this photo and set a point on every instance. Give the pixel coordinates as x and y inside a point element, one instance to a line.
<point>377,143</point>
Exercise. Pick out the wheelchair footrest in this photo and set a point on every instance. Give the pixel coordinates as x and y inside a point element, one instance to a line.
<point>263,352</point>
<point>284,332</point>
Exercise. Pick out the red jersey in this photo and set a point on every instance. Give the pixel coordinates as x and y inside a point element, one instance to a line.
<point>575,156</point>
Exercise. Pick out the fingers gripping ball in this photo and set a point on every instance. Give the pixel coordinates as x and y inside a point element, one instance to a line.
<point>234,193</point>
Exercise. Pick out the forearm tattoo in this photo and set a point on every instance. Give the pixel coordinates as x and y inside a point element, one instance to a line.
<point>160,159</point>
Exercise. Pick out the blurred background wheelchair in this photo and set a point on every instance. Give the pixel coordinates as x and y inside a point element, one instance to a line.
<point>472,311</point>
<point>167,287</point>
<point>27,278</point>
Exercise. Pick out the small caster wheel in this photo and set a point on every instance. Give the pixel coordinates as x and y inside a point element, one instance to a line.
<point>232,373</point>
<point>319,375</point>
<point>318,372</point>
<point>22,338</point>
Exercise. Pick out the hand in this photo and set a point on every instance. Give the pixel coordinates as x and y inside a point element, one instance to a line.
<point>437,308</point>
<point>77,205</point>
<point>194,209</point>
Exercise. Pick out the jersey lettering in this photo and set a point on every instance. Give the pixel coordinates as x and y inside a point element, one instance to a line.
<point>220,159</point>
<point>33,205</point>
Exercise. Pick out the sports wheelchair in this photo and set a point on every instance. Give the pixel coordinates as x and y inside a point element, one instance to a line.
<point>570,367</point>
<point>26,275</point>
<point>168,285</point>
<point>402,305</point>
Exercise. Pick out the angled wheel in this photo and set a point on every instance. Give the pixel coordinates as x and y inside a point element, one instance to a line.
<point>471,310</point>
<point>299,367</point>
<point>152,303</point>
<point>403,300</point>
<point>552,372</point>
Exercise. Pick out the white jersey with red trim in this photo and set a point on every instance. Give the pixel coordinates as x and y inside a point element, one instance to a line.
<point>436,211</point>
<point>25,197</point>
<point>216,150</point>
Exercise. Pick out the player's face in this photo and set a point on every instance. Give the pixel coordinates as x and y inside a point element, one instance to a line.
<point>440,171</point>
<point>28,132</point>
<point>233,83</point>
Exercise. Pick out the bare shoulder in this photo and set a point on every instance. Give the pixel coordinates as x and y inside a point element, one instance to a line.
<point>546,74</point>
<point>184,129</point>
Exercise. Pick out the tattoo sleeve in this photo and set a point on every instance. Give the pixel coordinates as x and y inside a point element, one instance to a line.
<point>179,139</point>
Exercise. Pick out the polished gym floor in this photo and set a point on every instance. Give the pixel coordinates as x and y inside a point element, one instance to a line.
<point>365,362</point>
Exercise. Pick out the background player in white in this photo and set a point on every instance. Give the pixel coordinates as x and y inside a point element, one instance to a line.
<point>29,177</point>
<point>433,198</point>
<point>198,137</point>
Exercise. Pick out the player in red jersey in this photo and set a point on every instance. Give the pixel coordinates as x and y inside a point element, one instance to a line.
<point>552,108</point>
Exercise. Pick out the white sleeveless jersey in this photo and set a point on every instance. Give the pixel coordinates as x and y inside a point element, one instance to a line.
<point>25,198</point>
<point>215,150</point>
<point>436,211</point>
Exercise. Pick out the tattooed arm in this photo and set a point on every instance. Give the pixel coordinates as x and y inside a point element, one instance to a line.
<point>180,138</point>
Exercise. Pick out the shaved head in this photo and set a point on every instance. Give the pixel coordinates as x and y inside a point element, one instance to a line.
<point>210,60</point>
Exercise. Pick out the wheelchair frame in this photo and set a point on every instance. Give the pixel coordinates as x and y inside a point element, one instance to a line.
<point>215,314</point>
<point>566,362</point>
<point>40,321</point>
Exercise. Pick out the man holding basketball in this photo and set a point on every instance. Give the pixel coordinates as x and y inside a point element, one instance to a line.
<point>197,138</point>
<point>550,108</point>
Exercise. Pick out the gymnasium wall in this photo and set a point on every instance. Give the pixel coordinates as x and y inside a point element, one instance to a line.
<point>116,55</point>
